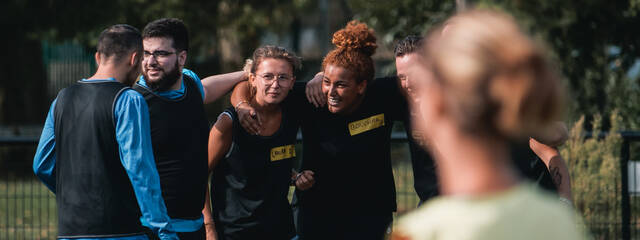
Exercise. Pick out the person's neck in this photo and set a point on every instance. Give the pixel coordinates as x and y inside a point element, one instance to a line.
<point>110,71</point>
<point>470,165</point>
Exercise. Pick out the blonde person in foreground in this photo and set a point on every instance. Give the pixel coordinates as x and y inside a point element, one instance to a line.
<point>482,83</point>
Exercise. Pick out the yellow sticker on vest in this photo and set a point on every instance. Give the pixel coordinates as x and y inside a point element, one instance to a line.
<point>366,124</point>
<point>283,152</point>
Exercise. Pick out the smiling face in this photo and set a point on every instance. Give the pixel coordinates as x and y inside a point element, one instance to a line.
<point>162,63</point>
<point>272,80</point>
<point>344,94</point>
<point>407,81</point>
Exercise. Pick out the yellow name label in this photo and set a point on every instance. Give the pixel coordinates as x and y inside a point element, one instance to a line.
<point>366,124</point>
<point>283,152</point>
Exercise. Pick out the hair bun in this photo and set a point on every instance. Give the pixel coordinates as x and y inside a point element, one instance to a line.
<point>356,36</point>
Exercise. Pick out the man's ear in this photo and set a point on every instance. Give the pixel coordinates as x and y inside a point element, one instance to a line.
<point>134,59</point>
<point>97,57</point>
<point>182,58</point>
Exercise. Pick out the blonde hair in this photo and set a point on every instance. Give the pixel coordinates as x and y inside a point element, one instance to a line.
<point>271,51</point>
<point>495,78</point>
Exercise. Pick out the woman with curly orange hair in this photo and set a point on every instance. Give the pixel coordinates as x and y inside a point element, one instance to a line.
<point>351,194</point>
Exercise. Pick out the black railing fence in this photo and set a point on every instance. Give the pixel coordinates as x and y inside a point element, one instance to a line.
<point>28,211</point>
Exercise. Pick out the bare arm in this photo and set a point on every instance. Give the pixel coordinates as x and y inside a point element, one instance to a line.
<point>556,166</point>
<point>314,91</point>
<point>249,118</point>
<point>217,85</point>
<point>220,139</point>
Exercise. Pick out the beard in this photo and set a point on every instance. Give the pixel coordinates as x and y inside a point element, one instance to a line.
<point>166,81</point>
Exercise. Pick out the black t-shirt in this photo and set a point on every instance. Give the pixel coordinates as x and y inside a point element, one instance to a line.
<point>530,166</point>
<point>349,154</point>
<point>425,180</point>
<point>250,185</point>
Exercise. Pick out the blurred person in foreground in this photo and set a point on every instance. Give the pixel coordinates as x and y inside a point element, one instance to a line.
<point>95,150</point>
<point>482,83</point>
<point>537,159</point>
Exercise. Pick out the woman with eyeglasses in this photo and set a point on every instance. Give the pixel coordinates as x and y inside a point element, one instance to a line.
<point>252,173</point>
<point>482,83</point>
<point>351,194</point>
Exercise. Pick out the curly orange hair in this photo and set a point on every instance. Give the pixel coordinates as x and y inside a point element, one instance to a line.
<point>355,44</point>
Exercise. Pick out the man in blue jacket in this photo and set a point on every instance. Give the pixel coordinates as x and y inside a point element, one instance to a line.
<point>95,151</point>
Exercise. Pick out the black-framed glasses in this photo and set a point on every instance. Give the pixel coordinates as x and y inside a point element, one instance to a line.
<point>158,55</point>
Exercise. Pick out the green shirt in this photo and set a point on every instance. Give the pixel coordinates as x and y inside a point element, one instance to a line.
<point>522,212</point>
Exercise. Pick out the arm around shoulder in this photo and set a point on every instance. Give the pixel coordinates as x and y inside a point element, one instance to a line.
<point>217,85</point>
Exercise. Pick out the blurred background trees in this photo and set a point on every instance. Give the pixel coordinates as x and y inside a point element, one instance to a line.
<point>595,43</point>
<point>48,44</point>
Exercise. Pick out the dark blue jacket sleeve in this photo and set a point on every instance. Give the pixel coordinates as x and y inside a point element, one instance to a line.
<point>136,154</point>
<point>45,159</point>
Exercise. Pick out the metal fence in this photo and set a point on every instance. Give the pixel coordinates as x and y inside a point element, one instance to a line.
<point>28,208</point>
<point>630,203</point>
<point>28,211</point>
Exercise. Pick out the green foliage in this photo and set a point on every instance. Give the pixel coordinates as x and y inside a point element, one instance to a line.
<point>579,34</point>
<point>394,20</point>
<point>594,166</point>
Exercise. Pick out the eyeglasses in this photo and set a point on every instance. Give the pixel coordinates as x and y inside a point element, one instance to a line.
<point>158,55</point>
<point>283,79</point>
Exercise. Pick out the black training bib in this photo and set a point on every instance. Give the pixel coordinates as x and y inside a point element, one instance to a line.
<point>94,195</point>
<point>179,135</point>
<point>250,185</point>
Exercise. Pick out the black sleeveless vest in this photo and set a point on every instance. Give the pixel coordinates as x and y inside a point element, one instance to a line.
<point>250,185</point>
<point>94,195</point>
<point>179,135</point>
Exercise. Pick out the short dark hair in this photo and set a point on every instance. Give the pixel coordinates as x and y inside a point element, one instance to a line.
<point>410,44</point>
<point>119,40</point>
<point>172,28</point>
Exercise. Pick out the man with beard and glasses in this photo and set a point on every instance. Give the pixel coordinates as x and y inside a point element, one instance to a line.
<point>179,127</point>
<point>95,150</point>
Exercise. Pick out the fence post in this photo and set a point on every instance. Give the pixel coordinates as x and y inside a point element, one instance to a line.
<point>626,209</point>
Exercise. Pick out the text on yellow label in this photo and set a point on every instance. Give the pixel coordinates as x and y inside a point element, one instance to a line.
<point>366,124</point>
<point>283,152</point>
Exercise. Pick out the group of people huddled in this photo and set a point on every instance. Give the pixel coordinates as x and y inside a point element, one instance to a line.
<point>129,152</point>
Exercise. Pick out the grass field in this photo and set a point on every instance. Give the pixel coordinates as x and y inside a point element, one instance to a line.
<point>28,209</point>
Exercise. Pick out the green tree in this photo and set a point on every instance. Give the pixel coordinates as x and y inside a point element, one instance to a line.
<point>594,43</point>
<point>222,33</point>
